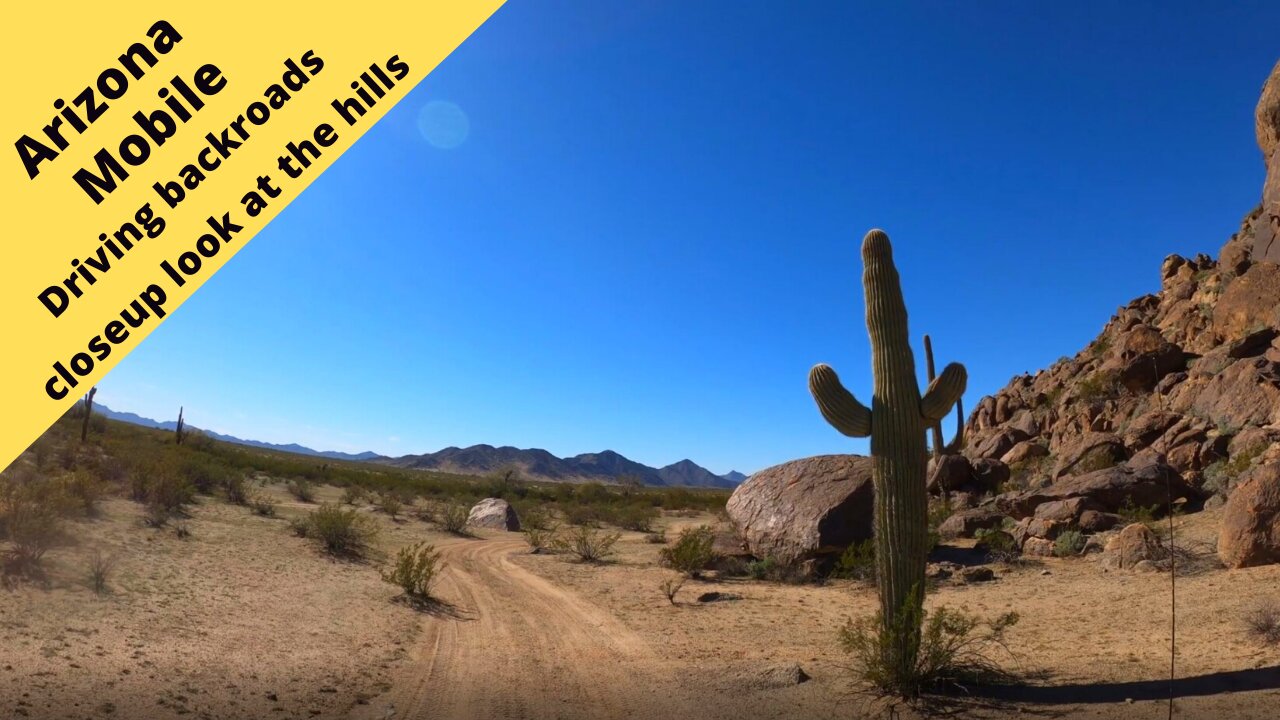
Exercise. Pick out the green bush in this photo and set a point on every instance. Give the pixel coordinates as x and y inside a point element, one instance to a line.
<point>857,562</point>
<point>452,518</point>
<point>539,538</point>
<point>639,518</point>
<point>32,524</point>
<point>956,651</point>
<point>390,504</point>
<point>346,533</point>
<point>354,495</point>
<point>415,569</point>
<point>692,552</point>
<point>302,490</point>
<point>233,486</point>
<point>762,569</point>
<point>1068,544</point>
<point>589,544</point>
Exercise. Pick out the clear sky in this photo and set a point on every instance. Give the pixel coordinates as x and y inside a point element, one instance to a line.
<point>635,226</point>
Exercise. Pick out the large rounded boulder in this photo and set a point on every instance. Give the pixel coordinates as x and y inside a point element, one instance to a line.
<point>495,514</point>
<point>1250,531</point>
<point>805,508</point>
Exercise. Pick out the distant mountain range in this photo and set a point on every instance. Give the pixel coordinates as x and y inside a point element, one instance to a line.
<point>606,466</point>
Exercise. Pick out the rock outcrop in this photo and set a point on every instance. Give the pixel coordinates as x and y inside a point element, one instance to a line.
<point>805,508</point>
<point>495,514</point>
<point>1180,391</point>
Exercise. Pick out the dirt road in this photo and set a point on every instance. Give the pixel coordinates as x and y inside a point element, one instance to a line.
<point>508,644</point>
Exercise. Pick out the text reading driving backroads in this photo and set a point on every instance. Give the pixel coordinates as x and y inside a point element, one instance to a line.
<point>176,105</point>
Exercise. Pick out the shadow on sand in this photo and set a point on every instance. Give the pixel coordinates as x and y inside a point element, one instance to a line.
<point>436,608</point>
<point>1267,678</point>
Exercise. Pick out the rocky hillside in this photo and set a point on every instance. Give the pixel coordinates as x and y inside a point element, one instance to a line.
<point>1180,391</point>
<point>1191,373</point>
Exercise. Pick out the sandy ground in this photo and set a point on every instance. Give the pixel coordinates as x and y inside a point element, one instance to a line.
<point>244,620</point>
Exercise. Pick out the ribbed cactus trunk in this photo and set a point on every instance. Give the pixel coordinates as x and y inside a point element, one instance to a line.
<point>898,447</point>
<point>896,422</point>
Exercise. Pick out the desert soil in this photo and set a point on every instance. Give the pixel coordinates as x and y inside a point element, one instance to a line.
<point>244,620</point>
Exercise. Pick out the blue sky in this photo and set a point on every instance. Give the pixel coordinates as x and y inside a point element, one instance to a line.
<point>635,226</point>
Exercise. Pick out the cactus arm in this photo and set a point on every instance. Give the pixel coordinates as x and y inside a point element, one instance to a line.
<point>957,443</point>
<point>936,428</point>
<point>943,392</point>
<point>840,408</point>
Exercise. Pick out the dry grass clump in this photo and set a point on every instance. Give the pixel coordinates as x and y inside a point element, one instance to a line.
<point>956,651</point>
<point>415,570</point>
<point>31,518</point>
<point>588,544</point>
<point>100,566</point>
<point>692,552</point>
<point>1263,622</point>
<point>540,538</point>
<point>390,504</point>
<point>343,533</point>
<point>452,518</point>
<point>302,490</point>
<point>671,586</point>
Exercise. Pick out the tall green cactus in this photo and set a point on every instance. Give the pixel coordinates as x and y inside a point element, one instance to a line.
<point>896,422</point>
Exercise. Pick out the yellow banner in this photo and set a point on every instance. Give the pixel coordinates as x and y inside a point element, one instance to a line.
<point>148,145</point>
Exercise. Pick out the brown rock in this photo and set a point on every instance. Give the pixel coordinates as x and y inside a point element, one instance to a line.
<point>1146,428</point>
<point>1249,303</point>
<point>977,574</point>
<point>1038,547</point>
<point>967,522</point>
<point>1089,452</point>
<point>1250,531</point>
<point>1065,511</point>
<point>1246,392</point>
<point>805,507</point>
<point>999,444</point>
<point>989,475</point>
<point>949,473</point>
<point>1111,488</point>
<point>1093,521</point>
<point>1146,358</point>
<point>1132,545</point>
<point>1023,451</point>
<point>1267,225</point>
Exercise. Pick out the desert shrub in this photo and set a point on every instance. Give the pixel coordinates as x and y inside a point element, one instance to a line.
<point>415,569</point>
<point>85,491</point>
<point>671,586</point>
<point>1263,622</point>
<point>956,650</point>
<point>261,504</point>
<point>692,551</point>
<point>534,517</point>
<point>302,490</point>
<point>762,569</point>
<point>32,524</point>
<point>390,504</point>
<point>182,530</point>
<point>100,566</point>
<point>857,562</point>
<point>300,526</point>
<point>341,532</point>
<point>998,544</point>
<point>233,486</point>
<point>582,515</point>
<point>658,537</point>
<point>156,515</point>
<point>452,518</point>
<point>354,495</point>
<point>639,518</point>
<point>539,538</point>
<point>589,544</point>
<point>1133,513</point>
<point>1069,543</point>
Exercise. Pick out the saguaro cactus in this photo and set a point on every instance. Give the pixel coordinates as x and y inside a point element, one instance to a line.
<point>896,423</point>
<point>88,411</point>
<point>180,431</point>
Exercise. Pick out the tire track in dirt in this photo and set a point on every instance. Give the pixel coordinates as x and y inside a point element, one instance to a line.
<point>508,644</point>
